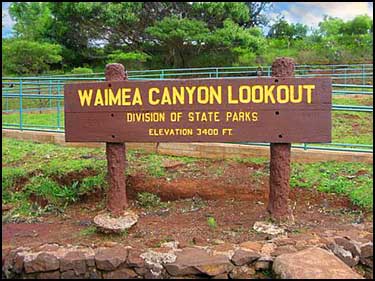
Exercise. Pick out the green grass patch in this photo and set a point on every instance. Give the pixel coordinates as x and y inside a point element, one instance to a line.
<point>252,160</point>
<point>148,201</point>
<point>353,100</point>
<point>35,169</point>
<point>50,190</point>
<point>351,179</point>
<point>211,221</point>
<point>88,231</point>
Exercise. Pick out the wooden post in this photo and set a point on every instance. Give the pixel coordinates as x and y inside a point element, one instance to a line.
<point>280,157</point>
<point>116,195</point>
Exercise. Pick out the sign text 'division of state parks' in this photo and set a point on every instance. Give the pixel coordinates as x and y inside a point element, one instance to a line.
<point>277,110</point>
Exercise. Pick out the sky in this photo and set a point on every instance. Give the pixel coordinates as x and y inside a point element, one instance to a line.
<point>309,13</point>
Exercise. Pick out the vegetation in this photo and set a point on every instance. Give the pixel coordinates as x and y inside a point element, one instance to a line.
<point>148,200</point>
<point>351,179</point>
<point>39,178</point>
<point>61,36</point>
<point>212,222</point>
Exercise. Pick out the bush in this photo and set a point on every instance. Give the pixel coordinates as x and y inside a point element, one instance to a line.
<point>148,200</point>
<point>82,70</point>
<point>29,57</point>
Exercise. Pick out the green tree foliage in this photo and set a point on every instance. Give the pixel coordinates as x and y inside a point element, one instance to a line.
<point>33,20</point>
<point>180,37</point>
<point>215,13</point>
<point>28,57</point>
<point>184,34</point>
<point>132,60</point>
<point>257,13</point>
<point>287,31</point>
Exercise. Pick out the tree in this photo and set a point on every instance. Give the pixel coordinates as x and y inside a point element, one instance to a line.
<point>283,30</point>
<point>215,13</point>
<point>359,25</point>
<point>29,57</point>
<point>256,13</point>
<point>131,60</point>
<point>178,37</point>
<point>33,20</point>
<point>330,26</point>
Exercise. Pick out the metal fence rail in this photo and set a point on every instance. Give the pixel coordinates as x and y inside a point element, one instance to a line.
<point>45,94</point>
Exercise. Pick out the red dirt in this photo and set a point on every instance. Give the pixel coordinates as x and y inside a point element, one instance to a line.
<point>234,194</point>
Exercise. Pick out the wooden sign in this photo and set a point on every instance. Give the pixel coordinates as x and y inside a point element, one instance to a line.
<point>276,110</point>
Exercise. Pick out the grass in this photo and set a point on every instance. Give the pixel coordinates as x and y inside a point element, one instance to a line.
<point>150,201</point>
<point>212,222</point>
<point>90,230</point>
<point>31,168</point>
<point>351,179</point>
<point>63,175</point>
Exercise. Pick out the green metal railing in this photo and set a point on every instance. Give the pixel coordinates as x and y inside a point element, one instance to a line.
<point>22,95</point>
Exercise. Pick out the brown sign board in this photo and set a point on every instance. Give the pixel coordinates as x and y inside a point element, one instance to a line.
<point>262,109</point>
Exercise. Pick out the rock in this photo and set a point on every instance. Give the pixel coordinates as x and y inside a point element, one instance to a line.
<point>312,263</point>
<point>268,249</point>
<point>134,259</point>
<point>252,246</point>
<point>284,242</point>
<point>41,262</point>
<point>108,224</point>
<point>345,255</point>
<point>348,245</point>
<point>194,261</point>
<point>263,263</point>
<point>218,242</point>
<point>367,250</point>
<point>268,228</point>
<point>122,273</point>
<point>75,261</point>
<point>92,273</point>
<point>221,276</point>
<point>69,274</point>
<point>226,249</point>
<point>171,245</point>
<point>301,245</point>
<point>242,257</point>
<point>369,236</point>
<point>49,275</point>
<point>48,248</point>
<point>18,263</point>
<point>154,262</point>
<point>284,250</point>
<point>110,259</point>
<point>242,272</point>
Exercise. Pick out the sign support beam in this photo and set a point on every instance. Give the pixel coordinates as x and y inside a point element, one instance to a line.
<point>279,180</point>
<point>116,196</point>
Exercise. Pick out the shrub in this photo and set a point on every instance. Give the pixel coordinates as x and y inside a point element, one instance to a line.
<point>82,70</point>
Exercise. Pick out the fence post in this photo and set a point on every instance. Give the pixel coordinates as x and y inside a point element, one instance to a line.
<point>363,75</point>
<point>58,105</point>
<point>50,93</point>
<point>21,104</point>
<point>280,157</point>
<point>116,196</point>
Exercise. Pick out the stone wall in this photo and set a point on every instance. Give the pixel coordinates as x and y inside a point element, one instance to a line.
<point>237,261</point>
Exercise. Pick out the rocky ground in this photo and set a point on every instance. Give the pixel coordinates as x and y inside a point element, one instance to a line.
<point>336,254</point>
